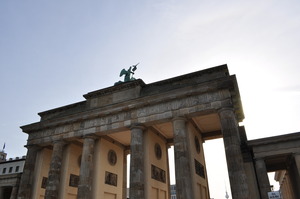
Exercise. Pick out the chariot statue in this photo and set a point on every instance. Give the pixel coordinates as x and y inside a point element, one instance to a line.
<point>128,74</point>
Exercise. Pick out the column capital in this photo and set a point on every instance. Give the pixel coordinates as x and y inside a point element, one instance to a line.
<point>180,118</point>
<point>62,142</point>
<point>225,109</point>
<point>91,136</point>
<point>32,146</point>
<point>259,158</point>
<point>127,151</point>
<point>137,126</point>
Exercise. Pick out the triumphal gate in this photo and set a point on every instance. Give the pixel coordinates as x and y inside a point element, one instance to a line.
<point>80,150</point>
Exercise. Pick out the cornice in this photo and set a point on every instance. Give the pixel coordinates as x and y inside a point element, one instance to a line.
<point>274,139</point>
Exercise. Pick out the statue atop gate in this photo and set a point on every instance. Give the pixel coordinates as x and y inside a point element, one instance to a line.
<point>128,74</point>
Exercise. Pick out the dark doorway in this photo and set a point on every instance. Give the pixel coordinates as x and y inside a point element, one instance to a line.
<point>6,192</point>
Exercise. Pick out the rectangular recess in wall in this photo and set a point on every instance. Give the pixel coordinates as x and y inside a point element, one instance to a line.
<point>111,178</point>
<point>199,169</point>
<point>74,180</point>
<point>158,174</point>
<point>44,183</point>
<point>110,195</point>
<point>163,194</point>
<point>154,193</point>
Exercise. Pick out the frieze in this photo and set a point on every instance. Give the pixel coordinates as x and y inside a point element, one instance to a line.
<point>179,104</point>
<point>116,108</point>
<point>218,85</point>
<point>150,113</point>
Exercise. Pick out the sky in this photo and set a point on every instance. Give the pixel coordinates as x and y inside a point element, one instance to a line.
<point>53,52</point>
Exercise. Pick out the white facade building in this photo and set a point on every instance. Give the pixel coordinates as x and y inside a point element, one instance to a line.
<point>10,175</point>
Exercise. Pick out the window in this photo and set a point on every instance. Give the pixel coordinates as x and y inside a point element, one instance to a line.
<point>17,169</point>
<point>10,169</point>
<point>4,170</point>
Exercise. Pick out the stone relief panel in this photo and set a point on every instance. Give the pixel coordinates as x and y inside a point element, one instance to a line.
<point>199,169</point>
<point>74,180</point>
<point>158,174</point>
<point>111,178</point>
<point>44,183</point>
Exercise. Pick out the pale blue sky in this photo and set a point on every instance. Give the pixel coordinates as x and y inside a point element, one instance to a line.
<point>53,52</point>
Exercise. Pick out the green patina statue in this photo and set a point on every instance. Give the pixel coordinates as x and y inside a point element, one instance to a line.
<point>128,74</point>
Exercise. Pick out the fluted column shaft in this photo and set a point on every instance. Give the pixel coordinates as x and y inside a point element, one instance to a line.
<point>137,168</point>
<point>26,184</point>
<point>53,182</point>
<point>86,169</point>
<point>237,175</point>
<point>183,172</point>
<point>262,178</point>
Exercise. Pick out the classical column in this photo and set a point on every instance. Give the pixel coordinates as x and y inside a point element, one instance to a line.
<point>290,193</point>
<point>53,182</point>
<point>297,162</point>
<point>137,169</point>
<point>294,171</point>
<point>26,184</point>
<point>124,191</point>
<point>183,172</point>
<point>262,178</point>
<point>14,192</point>
<point>86,168</point>
<point>237,175</point>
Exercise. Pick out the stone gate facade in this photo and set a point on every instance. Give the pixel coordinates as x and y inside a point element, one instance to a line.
<point>80,150</point>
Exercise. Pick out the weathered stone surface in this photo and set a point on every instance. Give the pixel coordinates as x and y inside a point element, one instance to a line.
<point>53,182</point>
<point>183,172</point>
<point>137,171</point>
<point>205,90</point>
<point>116,109</point>
<point>237,175</point>
<point>86,169</point>
<point>262,178</point>
<point>278,153</point>
<point>26,184</point>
